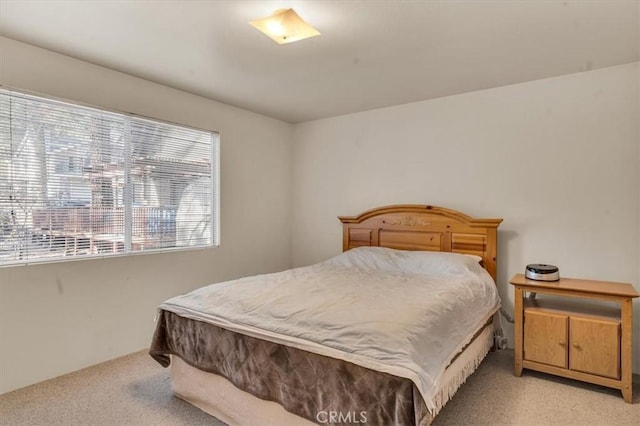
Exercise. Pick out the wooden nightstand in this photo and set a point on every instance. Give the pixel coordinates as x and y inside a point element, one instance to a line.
<point>591,342</point>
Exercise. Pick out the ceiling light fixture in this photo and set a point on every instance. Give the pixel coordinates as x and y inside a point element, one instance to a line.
<point>285,26</point>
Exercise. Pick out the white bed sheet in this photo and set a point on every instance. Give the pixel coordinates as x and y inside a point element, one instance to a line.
<point>403,313</point>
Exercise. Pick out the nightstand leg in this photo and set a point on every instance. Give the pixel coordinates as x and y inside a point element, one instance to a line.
<point>518,318</point>
<point>626,367</point>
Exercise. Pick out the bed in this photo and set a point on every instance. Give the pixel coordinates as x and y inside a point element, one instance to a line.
<point>384,333</point>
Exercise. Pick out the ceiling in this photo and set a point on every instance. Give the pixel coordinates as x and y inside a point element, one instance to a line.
<point>371,54</point>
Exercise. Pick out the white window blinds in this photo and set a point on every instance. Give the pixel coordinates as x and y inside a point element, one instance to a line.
<point>78,181</point>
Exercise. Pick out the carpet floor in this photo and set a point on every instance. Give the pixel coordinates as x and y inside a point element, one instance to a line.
<point>135,390</point>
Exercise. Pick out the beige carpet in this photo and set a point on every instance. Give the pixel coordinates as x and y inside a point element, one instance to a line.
<point>135,390</point>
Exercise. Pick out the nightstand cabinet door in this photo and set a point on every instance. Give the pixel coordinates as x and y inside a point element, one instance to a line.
<point>595,346</point>
<point>545,337</point>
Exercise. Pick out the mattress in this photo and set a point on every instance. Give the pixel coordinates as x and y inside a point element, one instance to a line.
<point>400,314</point>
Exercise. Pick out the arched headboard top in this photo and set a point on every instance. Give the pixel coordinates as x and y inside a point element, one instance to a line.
<point>423,227</point>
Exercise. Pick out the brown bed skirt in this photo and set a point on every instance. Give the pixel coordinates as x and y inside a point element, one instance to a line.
<point>304,383</point>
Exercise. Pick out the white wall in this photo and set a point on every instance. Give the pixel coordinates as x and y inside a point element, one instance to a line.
<point>556,158</point>
<point>56,318</point>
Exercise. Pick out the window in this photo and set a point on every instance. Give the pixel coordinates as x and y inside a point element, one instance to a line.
<point>81,182</point>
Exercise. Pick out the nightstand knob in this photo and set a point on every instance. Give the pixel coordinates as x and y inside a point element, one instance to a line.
<point>577,346</point>
<point>563,344</point>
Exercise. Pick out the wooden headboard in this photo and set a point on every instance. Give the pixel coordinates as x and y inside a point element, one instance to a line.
<point>420,227</point>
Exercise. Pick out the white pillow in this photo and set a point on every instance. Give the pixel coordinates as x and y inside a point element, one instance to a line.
<point>420,262</point>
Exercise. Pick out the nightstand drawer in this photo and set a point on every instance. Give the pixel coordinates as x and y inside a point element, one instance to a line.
<point>594,347</point>
<point>545,338</point>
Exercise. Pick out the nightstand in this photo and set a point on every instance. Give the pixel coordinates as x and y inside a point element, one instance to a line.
<point>588,340</point>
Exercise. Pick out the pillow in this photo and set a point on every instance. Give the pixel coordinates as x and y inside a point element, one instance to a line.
<point>420,262</point>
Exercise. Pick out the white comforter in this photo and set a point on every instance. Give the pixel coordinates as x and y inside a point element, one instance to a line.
<point>403,313</point>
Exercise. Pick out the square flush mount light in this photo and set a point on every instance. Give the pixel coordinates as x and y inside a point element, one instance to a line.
<point>285,26</point>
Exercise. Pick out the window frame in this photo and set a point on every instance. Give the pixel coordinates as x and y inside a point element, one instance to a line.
<point>214,172</point>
